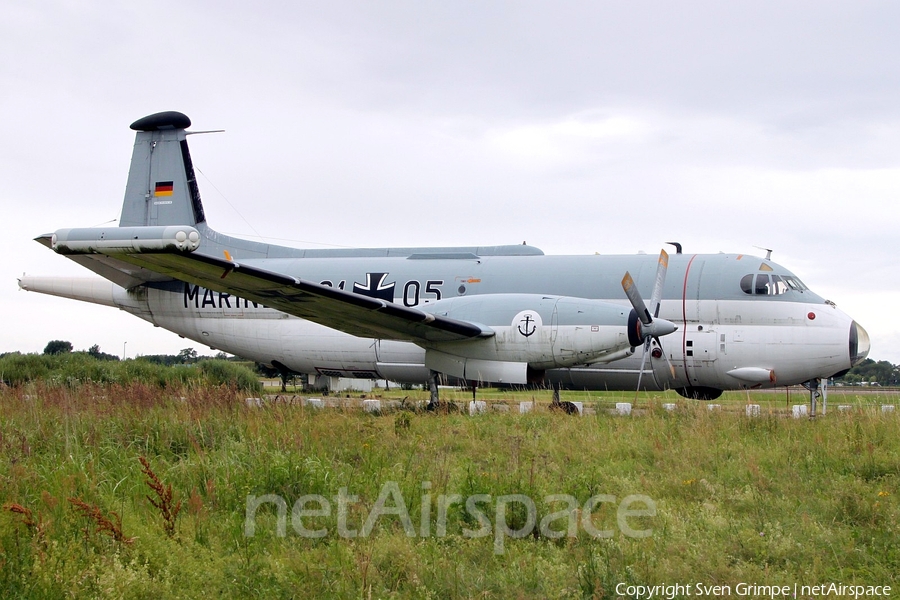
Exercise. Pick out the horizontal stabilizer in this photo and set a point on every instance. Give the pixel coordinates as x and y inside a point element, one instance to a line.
<point>86,289</point>
<point>123,274</point>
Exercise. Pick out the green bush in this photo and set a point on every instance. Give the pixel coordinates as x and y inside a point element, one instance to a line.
<point>16,369</point>
<point>74,368</point>
<point>222,372</point>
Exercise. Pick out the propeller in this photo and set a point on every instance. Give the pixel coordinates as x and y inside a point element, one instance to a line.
<point>645,325</point>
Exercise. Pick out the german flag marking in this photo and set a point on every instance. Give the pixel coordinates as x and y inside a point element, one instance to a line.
<point>164,188</point>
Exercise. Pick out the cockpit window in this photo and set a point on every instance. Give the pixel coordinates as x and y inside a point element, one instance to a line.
<point>764,284</point>
<point>794,283</point>
<point>778,286</point>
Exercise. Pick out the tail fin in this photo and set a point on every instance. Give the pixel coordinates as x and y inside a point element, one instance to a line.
<point>161,189</point>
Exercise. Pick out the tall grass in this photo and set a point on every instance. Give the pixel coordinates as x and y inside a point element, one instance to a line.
<point>770,500</point>
<point>75,368</point>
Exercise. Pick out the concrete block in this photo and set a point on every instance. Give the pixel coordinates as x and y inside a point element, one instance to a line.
<point>752,410</point>
<point>799,410</point>
<point>525,407</point>
<point>887,408</point>
<point>844,407</point>
<point>314,403</point>
<point>253,402</point>
<point>713,406</point>
<point>669,406</point>
<point>623,408</point>
<point>477,407</point>
<point>371,406</point>
<point>580,407</point>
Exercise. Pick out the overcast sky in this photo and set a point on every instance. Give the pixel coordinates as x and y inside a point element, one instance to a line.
<point>578,127</point>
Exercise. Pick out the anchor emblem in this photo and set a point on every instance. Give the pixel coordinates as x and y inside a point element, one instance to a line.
<point>530,326</point>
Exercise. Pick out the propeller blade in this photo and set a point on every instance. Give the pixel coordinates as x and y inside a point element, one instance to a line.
<point>634,296</point>
<point>666,356</point>
<point>661,268</point>
<point>641,372</point>
<point>644,326</point>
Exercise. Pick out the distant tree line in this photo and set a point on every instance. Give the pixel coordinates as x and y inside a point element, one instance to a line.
<point>870,372</point>
<point>59,364</point>
<point>187,356</point>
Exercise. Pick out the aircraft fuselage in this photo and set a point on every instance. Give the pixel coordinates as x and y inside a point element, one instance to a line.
<point>778,334</point>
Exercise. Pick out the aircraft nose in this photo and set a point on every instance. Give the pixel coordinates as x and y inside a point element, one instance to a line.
<point>859,344</point>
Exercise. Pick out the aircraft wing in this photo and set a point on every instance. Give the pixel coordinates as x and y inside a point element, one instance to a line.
<point>345,311</point>
<point>352,313</point>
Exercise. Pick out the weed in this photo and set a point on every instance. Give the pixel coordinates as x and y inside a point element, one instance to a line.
<point>164,502</point>
<point>105,525</point>
<point>34,523</point>
<point>402,422</point>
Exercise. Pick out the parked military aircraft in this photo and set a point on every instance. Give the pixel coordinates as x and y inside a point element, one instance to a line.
<point>499,314</point>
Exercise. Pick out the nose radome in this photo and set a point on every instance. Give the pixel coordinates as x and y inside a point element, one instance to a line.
<point>859,344</point>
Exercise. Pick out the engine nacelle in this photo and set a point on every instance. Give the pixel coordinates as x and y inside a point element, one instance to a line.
<point>532,333</point>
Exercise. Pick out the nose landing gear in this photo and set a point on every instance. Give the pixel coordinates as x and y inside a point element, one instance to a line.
<point>818,388</point>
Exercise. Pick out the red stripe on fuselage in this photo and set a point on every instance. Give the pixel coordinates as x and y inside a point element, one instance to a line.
<point>684,356</point>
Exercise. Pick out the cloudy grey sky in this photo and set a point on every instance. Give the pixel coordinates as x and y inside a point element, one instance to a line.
<point>579,127</point>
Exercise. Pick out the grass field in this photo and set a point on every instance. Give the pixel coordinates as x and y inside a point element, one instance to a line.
<point>376,505</point>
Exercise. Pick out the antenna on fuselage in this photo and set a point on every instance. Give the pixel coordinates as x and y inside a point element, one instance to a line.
<point>677,246</point>
<point>768,252</point>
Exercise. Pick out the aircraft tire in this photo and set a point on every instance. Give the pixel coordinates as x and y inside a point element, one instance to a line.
<point>699,393</point>
<point>568,408</point>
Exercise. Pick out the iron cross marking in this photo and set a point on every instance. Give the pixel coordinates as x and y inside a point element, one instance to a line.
<point>375,287</point>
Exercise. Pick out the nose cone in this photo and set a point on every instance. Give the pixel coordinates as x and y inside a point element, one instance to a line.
<point>859,344</point>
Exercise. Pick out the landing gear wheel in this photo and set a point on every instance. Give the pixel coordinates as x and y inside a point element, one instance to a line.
<point>699,393</point>
<point>567,407</point>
